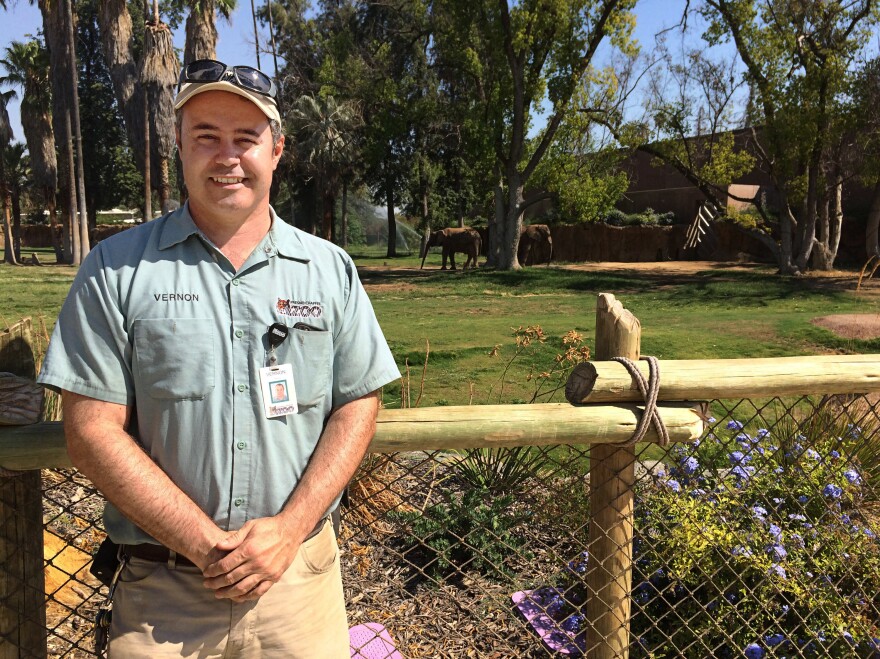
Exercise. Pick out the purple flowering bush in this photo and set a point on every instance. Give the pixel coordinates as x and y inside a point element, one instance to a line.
<point>750,543</point>
<point>758,543</point>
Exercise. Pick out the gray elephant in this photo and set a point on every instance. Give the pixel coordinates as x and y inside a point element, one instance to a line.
<point>535,244</point>
<point>464,240</point>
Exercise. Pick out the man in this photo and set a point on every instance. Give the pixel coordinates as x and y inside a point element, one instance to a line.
<point>165,350</point>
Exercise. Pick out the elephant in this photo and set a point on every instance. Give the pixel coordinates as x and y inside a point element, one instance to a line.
<point>534,243</point>
<point>464,240</point>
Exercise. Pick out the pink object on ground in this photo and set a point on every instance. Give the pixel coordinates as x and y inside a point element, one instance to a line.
<point>556,638</point>
<point>372,641</point>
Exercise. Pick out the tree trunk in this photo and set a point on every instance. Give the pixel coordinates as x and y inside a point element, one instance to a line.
<point>164,185</point>
<point>787,228</point>
<point>256,35</point>
<point>148,190</point>
<point>201,32</point>
<point>57,40</point>
<point>424,219</point>
<point>496,221</point>
<point>16,224</point>
<point>80,167</point>
<point>158,73</point>
<point>511,225</point>
<point>117,40</point>
<point>392,220</point>
<point>326,210</point>
<point>344,213</point>
<point>9,248</point>
<point>75,246</point>
<point>872,229</point>
<point>53,224</point>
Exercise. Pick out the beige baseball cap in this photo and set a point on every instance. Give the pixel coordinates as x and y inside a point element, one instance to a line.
<point>266,103</point>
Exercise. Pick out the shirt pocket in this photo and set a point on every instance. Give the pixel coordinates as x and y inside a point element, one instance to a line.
<point>174,357</point>
<point>310,353</point>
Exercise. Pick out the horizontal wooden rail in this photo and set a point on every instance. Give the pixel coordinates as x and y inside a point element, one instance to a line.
<point>707,379</point>
<point>41,445</point>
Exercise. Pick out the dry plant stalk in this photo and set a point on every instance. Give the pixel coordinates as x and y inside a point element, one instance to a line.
<point>372,494</point>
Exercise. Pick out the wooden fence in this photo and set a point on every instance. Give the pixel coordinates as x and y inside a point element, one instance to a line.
<point>602,412</point>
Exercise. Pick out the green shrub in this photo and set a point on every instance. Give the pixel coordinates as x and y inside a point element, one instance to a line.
<point>474,531</point>
<point>500,470</point>
<point>773,553</point>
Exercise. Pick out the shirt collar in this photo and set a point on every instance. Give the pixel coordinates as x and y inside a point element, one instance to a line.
<point>286,240</point>
<point>283,239</point>
<point>178,227</point>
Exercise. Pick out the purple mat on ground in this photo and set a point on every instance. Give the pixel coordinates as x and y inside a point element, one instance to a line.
<point>530,603</point>
<point>372,641</point>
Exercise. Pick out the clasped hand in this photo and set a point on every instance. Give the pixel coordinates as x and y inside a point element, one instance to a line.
<point>253,559</point>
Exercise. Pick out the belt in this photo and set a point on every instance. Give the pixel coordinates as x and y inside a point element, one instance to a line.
<point>161,554</point>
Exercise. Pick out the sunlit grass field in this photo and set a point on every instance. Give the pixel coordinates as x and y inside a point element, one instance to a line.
<point>466,320</point>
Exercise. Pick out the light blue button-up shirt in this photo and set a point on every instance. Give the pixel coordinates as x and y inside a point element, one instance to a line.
<point>157,318</point>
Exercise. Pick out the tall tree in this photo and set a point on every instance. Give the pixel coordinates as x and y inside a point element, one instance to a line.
<point>5,139</point>
<point>144,75</point>
<point>17,174</point>
<point>112,178</point>
<point>27,67</point>
<point>520,56</point>
<point>158,72</point>
<point>82,206</point>
<point>61,59</point>
<point>201,28</point>
<point>798,58</point>
<point>326,133</point>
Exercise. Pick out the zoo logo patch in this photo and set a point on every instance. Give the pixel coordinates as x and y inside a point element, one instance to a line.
<point>299,309</point>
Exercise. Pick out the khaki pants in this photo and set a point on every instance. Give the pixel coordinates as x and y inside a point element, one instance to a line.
<point>166,612</point>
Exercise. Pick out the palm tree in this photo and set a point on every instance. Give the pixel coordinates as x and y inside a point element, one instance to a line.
<point>201,30</point>
<point>144,90</point>
<point>16,167</point>
<point>327,145</point>
<point>61,59</point>
<point>5,139</point>
<point>27,67</point>
<point>158,72</point>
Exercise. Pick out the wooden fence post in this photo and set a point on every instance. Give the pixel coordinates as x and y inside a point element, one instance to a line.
<point>22,581</point>
<point>612,477</point>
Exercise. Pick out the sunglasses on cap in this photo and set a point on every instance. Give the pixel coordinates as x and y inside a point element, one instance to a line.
<point>246,77</point>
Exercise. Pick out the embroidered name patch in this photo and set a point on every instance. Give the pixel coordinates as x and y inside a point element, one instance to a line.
<point>176,297</point>
<point>299,309</point>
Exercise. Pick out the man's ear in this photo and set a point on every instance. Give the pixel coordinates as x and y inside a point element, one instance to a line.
<point>278,150</point>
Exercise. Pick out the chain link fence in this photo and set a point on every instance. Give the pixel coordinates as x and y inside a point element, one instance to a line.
<point>758,540</point>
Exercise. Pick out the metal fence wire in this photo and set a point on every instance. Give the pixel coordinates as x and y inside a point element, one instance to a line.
<point>758,540</point>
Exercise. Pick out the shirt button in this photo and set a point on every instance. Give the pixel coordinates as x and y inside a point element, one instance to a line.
<point>241,445</point>
<point>267,249</point>
<point>235,282</point>
<point>242,387</point>
<point>239,333</point>
<point>238,502</point>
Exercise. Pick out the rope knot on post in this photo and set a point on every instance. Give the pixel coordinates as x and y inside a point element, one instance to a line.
<point>649,389</point>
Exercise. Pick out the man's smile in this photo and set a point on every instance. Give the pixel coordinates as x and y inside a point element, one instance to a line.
<point>227,179</point>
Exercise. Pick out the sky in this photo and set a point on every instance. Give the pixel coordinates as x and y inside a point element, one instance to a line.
<point>236,42</point>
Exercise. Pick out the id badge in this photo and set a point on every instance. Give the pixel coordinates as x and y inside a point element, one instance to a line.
<point>279,393</point>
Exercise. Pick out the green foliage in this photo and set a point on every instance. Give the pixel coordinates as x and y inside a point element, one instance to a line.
<point>111,176</point>
<point>500,470</point>
<point>474,531</point>
<point>760,540</point>
<point>783,521</point>
<point>648,217</point>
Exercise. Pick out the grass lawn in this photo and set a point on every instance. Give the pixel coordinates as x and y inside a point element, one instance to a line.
<point>687,311</point>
